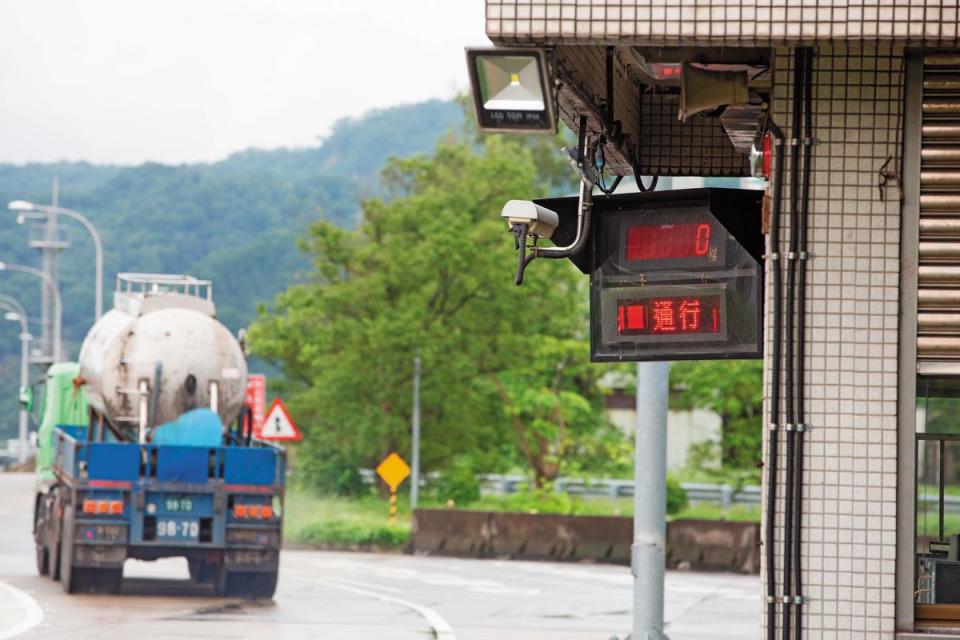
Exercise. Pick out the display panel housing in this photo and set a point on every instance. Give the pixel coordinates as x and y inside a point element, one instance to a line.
<point>673,275</point>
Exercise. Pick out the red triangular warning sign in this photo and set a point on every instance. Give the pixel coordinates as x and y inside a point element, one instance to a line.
<point>278,425</point>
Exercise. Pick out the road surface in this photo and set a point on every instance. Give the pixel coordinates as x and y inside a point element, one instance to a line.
<point>356,596</point>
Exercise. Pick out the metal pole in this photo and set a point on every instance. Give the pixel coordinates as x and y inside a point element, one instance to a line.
<point>415,486</point>
<point>57,306</point>
<point>24,385</point>
<point>25,338</point>
<point>49,254</point>
<point>28,208</point>
<point>650,500</point>
<point>97,246</point>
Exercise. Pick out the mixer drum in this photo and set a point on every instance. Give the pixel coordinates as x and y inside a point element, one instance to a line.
<point>195,353</point>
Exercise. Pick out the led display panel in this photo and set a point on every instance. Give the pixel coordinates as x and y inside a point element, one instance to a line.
<point>674,275</point>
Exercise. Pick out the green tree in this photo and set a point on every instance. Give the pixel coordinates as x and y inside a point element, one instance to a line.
<point>734,390</point>
<point>429,271</point>
<point>554,405</point>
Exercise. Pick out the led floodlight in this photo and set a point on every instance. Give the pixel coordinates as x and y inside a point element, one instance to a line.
<point>511,90</point>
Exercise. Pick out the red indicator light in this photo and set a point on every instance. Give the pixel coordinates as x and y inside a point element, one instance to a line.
<point>663,71</point>
<point>669,316</point>
<point>632,317</point>
<point>665,241</point>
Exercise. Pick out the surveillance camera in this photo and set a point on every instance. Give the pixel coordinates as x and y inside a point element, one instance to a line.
<point>540,221</point>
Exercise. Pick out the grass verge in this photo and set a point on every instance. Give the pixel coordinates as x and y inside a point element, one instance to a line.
<point>363,523</point>
<point>343,522</point>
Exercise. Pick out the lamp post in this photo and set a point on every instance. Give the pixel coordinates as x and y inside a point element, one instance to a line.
<point>23,206</point>
<point>57,307</point>
<point>17,314</point>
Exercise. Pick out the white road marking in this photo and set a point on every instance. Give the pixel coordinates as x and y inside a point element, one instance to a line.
<point>33,614</point>
<point>441,628</point>
<point>432,578</point>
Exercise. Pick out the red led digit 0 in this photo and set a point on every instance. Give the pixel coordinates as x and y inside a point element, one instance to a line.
<point>701,245</point>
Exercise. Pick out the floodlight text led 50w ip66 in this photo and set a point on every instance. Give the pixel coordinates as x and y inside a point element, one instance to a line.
<point>511,90</point>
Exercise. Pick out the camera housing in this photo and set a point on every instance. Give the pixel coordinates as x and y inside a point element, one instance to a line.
<point>539,220</point>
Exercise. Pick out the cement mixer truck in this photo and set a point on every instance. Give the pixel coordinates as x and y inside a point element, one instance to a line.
<point>145,449</point>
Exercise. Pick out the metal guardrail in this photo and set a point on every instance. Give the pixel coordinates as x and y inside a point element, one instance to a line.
<point>697,492</point>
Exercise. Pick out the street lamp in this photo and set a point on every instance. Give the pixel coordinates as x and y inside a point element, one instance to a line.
<point>24,206</point>
<point>17,314</point>
<point>58,308</point>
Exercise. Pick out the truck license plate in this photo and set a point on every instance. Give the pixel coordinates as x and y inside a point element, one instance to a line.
<point>178,529</point>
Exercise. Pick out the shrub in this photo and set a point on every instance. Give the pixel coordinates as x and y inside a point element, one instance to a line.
<point>676,496</point>
<point>344,532</point>
<point>459,483</point>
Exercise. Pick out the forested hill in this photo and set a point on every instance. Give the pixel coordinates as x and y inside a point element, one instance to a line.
<point>235,222</point>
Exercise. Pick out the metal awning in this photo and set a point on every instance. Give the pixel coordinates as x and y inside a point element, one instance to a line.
<point>738,23</point>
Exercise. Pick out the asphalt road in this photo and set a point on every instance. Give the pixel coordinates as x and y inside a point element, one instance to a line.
<point>353,596</point>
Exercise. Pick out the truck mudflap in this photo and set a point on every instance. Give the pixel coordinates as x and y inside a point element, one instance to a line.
<point>88,568</point>
<point>252,559</point>
<point>237,573</point>
<point>99,557</point>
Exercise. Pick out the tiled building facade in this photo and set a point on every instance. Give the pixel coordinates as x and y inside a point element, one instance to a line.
<point>850,477</point>
<point>858,535</point>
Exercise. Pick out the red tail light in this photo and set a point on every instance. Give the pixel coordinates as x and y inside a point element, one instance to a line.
<point>761,157</point>
<point>767,163</point>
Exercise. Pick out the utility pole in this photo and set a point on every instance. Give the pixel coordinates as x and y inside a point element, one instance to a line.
<point>415,455</point>
<point>30,211</point>
<point>49,245</point>
<point>649,556</point>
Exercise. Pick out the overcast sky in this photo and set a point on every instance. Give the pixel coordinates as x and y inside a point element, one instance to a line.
<point>125,81</point>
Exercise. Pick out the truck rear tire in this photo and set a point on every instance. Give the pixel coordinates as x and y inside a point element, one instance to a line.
<point>55,529</point>
<point>43,560</point>
<point>252,585</point>
<point>70,577</point>
<point>41,533</point>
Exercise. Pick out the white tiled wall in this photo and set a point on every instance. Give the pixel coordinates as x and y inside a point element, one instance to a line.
<point>849,506</point>
<point>741,22</point>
